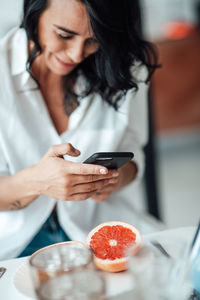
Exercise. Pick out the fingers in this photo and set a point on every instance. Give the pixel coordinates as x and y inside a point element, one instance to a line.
<point>96,195</point>
<point>63,149</point>
<point>82,196</point>
<point>102,194</point>
<point>75,168</point>
<point>61,195</point>
<point>84,191</point>
<point>67,192</point>
<point>92,186</point>
<point>77,179</point>
<point>86,169</point>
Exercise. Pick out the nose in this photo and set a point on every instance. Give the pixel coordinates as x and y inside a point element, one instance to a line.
<point>75,52</point>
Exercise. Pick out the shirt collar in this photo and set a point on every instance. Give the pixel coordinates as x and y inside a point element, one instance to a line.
<point>19,52</point>
<point>18,59</point>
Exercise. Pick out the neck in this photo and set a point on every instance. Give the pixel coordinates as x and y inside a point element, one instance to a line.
<point>50,83</point>
<point>42,73</point>
<point>40,70</point>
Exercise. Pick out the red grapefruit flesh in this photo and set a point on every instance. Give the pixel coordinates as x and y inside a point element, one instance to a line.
<point>110,242</point>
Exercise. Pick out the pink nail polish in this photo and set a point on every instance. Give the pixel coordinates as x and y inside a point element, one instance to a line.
<point>103,171</point>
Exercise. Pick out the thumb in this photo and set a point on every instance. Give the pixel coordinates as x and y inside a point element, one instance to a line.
<point>63,149</point>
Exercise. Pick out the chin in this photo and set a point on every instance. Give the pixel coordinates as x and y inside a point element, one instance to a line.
<point>59,71</point>
<point>58,68</point>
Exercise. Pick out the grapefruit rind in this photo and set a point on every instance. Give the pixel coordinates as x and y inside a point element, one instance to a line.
<point>112,266</point>
<point>119,264</point>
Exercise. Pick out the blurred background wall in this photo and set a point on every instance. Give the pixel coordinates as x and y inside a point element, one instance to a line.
<point>175,101</point>
<point>10,13</point>
<point>174,26</point>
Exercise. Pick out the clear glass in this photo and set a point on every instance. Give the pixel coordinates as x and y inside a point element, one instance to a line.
<point>149,272</point>
<point>178,286</point>
<point>60,270</point>
<point>195,275</point>
<point>159,277</point>
<point>85,284</point>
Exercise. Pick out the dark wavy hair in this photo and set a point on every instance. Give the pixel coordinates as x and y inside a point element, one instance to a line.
<point>117,27</point>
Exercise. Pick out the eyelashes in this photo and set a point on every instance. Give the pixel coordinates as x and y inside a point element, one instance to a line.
<point>65,37</point>
<point>69,37</point>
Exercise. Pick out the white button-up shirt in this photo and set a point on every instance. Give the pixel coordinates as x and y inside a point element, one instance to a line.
<point>27,132</point>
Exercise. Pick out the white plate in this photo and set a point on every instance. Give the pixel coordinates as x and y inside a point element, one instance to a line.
<point>22,281</point>
<point>116,283</point>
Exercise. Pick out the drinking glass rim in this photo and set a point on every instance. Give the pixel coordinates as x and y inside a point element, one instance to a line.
<point>31,258</point>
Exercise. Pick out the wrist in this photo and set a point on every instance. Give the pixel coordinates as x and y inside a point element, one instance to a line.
<point>27,179</point>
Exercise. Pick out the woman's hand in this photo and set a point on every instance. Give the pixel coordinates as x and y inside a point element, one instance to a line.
<point>65,180</point>
<point>62,179</point>
<point>126,174</point>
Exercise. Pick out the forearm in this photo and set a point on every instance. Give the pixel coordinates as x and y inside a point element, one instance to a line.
<point>127,174</point>
<point>17,191</point>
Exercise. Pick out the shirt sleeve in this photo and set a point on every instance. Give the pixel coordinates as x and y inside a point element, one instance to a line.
<point>136,135</point>
<point>4,169</point>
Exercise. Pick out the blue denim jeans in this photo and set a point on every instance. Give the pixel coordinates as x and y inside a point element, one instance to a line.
<point>50,233</point>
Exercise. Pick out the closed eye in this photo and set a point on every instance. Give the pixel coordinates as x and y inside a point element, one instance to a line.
<point>65,37</point>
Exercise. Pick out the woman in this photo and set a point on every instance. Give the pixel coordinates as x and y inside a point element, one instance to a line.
<point>67,91</point>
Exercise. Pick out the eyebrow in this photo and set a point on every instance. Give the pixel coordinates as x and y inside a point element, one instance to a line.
<point>65,29</point>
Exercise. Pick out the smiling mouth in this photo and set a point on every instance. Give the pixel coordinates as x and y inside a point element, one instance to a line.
<point>66,65</point>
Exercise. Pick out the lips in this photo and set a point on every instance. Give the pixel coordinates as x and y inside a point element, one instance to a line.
<point>64,64</point>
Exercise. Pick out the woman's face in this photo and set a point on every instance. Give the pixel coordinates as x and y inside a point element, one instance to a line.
<point>65,36</point>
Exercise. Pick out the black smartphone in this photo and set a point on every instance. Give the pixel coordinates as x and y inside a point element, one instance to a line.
<point>110,160</point>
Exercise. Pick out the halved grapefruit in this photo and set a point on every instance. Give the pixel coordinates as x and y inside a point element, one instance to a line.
<point>110,242</point>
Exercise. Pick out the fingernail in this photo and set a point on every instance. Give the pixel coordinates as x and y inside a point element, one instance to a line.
<point>77,151</point>
<point>103,171</point>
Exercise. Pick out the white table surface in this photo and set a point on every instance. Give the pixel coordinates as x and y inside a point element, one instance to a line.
<point>117,283</point>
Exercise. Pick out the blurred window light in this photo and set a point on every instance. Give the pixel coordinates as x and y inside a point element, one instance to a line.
<point>10,15</point>
<point>177,30</point>
<point>157,13</point>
